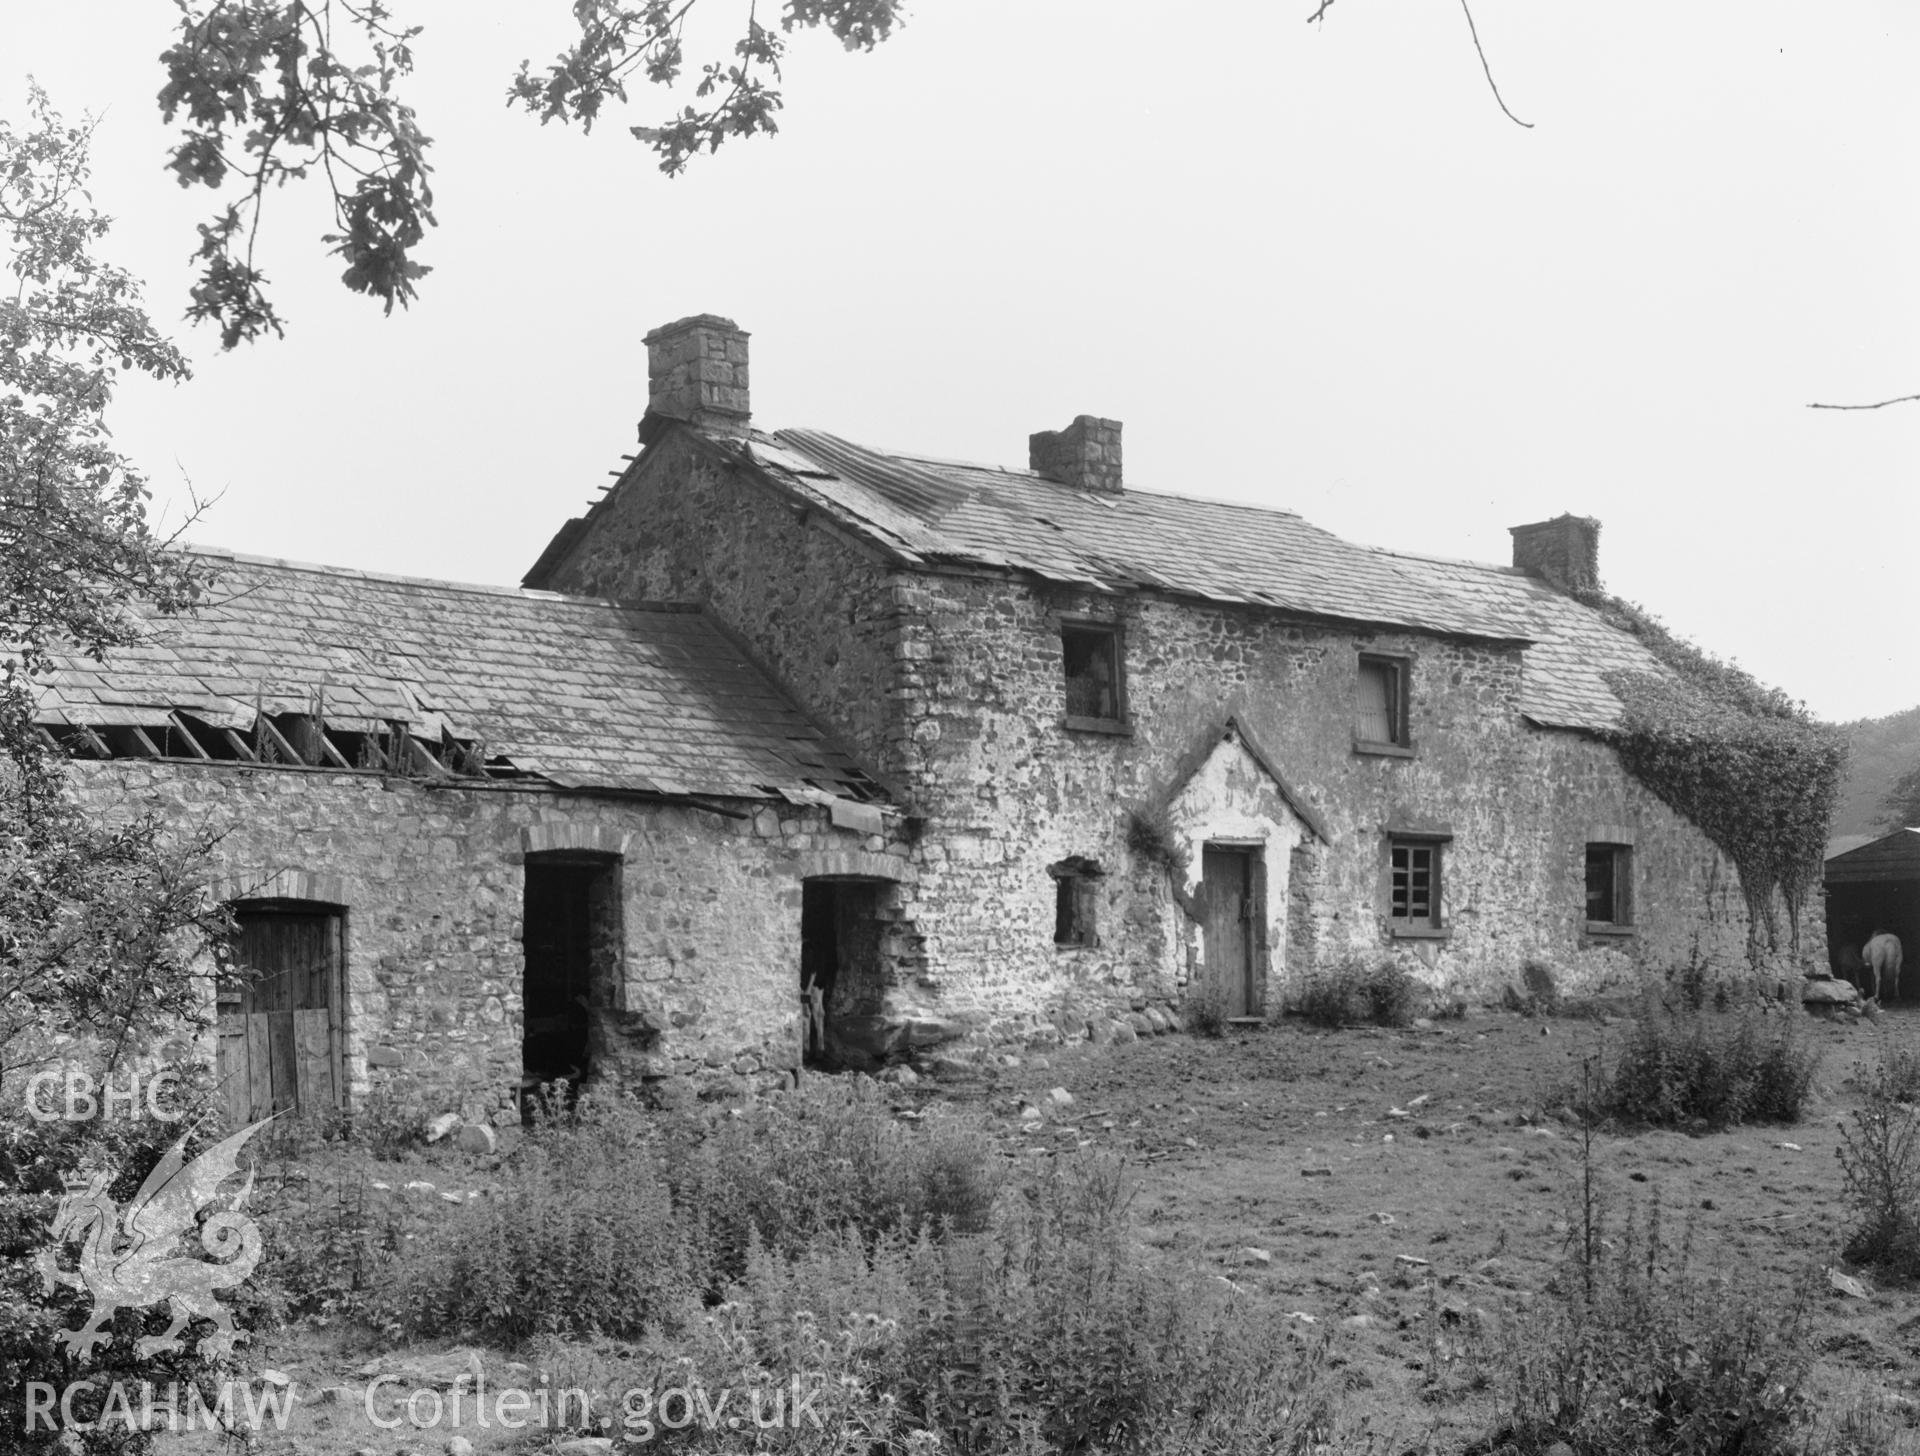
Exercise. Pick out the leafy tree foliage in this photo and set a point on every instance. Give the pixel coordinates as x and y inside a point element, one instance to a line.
<point>100,923</point>
<point>1900,807</point>
<point>1883,749</point>
<point>93,917</point>
<point>1742,760</point>
<point>269,91</point>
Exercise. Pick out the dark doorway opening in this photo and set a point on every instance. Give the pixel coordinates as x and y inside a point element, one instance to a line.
<point>571,937</point>
<point>842,974</point>
<point>1857,910</point>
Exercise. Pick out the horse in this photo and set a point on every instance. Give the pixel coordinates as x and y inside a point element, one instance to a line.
<point>1882,956</point>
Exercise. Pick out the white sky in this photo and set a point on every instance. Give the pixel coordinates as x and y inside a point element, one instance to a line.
<point>1308,267</point>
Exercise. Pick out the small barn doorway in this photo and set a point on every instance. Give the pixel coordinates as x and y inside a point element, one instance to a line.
<point>1876,887</point>
<point>571,937</point>
<point>842,975</point>
<point>279,1022</point>
<point>1233,921</point>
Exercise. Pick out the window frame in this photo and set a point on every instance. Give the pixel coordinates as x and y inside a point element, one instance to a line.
<point>1620,872</point>
<point>1399,667</point>
<point>1076,900</point>
<point>1433,926</point>
<point>1115,637</point>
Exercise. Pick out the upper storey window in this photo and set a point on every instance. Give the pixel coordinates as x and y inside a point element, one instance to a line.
<point>1093,658</point>
<point>1380,705</point>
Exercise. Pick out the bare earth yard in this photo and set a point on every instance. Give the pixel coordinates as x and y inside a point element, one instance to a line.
<point>1403,1191</point>
<point>1286,1141</point>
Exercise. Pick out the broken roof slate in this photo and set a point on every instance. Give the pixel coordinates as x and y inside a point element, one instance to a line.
<point>587,693</point>
<point>938,511</point>
<point>943,511</point>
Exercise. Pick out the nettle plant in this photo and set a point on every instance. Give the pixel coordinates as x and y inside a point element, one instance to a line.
<point>1742,760</point>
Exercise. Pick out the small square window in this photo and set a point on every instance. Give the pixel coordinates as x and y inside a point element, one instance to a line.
<point>1090,653</point>
<point>1610,885</point>
<point>1380,704</point>
<point>1075,899</point>
<point>1414,893</point>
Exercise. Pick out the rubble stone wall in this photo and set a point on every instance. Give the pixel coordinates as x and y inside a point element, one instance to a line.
<point>817,612</point>
<point>952,685</point>
<point>432,884</point>
<point>1008,788</point>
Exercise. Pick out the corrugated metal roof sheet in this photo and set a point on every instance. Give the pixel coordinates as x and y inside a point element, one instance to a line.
<point>583,692</point>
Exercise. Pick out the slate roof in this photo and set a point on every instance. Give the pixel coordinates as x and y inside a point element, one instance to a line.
<point>1571,648</point>
<point>929,511</point>
<point>583,692</point>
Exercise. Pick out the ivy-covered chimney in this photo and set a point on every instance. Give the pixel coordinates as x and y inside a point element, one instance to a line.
<point>1564,551</point>
<point>697,372</point>
<point>1085,454</point>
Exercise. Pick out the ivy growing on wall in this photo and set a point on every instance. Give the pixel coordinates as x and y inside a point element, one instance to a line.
<point>1743,761</point>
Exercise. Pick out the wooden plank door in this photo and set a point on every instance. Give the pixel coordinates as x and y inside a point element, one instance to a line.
<point>279,1031</point>
<point>1229,924</point>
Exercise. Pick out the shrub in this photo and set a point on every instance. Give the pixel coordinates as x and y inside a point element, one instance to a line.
<point>1880,1170</point>
<point>1543,990</point>
<point>391,1120</point>
<point>36,1159</point>
<point>1678,1070</point>
<point>1634,1352</point>
<point>328,1235</point>
<point>831,1155</point>
<point>1204,1010</point>
<point>1355,991</point>
<point>1055,1331</point>
<point>580,1237</point>
<point>1899,1074</point>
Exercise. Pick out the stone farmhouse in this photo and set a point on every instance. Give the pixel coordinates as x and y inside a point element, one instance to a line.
<point>790,751</point>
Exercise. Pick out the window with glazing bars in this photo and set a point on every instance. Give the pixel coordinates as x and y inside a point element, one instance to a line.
<point>1416,884</point>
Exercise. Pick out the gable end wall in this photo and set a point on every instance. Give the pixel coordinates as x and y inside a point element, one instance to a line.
<point>819,614</point>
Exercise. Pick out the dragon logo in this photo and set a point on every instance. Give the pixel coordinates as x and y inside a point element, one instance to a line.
<point>133,1258</point>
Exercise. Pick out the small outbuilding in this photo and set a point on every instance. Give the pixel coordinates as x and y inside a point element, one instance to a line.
<point>1875,887</point>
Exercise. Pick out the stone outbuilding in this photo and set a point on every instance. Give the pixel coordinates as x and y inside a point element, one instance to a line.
<point>1871,888</point>
<point>476,838</point>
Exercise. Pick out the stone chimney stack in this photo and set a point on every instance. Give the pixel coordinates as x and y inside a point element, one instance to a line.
<point>697,372</point>
<point>1085,454</point>
<point>1565,551</point>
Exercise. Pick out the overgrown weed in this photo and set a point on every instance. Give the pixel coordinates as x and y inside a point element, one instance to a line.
<point>580,1236</point>
<point>830,1156</point>
<point>1879,1156</point>
<point>1636,1351</point>
<point>1358,990</point>
<point>1204,1010</point>
<point>1696,1070</point>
